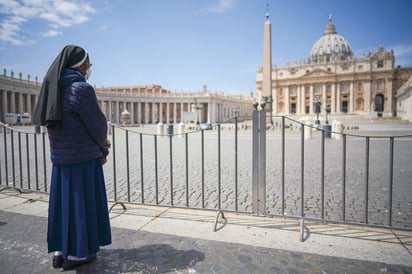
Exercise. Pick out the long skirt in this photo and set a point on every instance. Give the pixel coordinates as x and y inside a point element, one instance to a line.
<point>78,221</point>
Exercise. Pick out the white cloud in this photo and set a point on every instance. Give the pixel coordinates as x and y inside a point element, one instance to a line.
<point>51,33</point>
<point>58,13</point>
<point>221,6</point>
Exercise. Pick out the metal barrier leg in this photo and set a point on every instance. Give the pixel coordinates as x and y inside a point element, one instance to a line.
<point>117,203</point>
<point>302,230</point>
<point>219,213</point>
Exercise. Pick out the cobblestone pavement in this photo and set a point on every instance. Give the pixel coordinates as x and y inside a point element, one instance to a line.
<point>23,250</point>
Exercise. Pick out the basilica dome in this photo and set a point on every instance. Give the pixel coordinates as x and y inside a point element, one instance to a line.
<point>331,46</point>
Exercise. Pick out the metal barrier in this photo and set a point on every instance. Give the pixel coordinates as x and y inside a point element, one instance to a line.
<point>255,167</point>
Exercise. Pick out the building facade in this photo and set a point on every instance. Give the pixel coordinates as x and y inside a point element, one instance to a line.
<point>331,77</point>
<point>145,104</point>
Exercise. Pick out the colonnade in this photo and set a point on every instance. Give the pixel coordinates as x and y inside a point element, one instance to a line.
<point>20,96</point>
<point>339,97</point>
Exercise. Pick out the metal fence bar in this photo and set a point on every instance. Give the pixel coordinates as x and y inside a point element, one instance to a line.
<point>343,177</point>
<point>255,163</point>
<point>391,146</point>
<point>171,168</point>
<point>262,161</point>
<point>236,163</point>
<point>202,143</point>
<point>141,169</point>
<point>28,161</point>
<point>156,171</point>
<point>322,174</point>
<point>367,141</point>
<point>187,168</point>
<point>219,175</point>
<point>5,157</point>
<point>36,162</point>
<point>20,159</point>
<point>128,165</point>
<point>44,161</point>
<point>13,165</point>
<point>114,162</point>
<point>302,171</point>
<point>283,166</point>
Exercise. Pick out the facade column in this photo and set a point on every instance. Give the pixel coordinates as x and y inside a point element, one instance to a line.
<point>139,113</point>
<point>368,96</point>
<point>174,113</point>
<point>333,98</point>
<point>209,105</point>
<point>153,112</point>
<point>388,104</point>
<point>303,94</point>
<point>20,102</point>
<point>28,103</point>
<point>298,100</point>
<point>287,103</point>
<point>161,112</point>
<point>132,112</point>
<point>311,99</point>
<point>110,116</point>
<point>117,112</point>
<point>167,113</point>
<point>12,102</point>
<point>4,107</point>
<point>351,97</point>
<point>324,98</point>
<point>338,100</point>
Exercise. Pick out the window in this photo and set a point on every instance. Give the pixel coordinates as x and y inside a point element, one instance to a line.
<point>360,88</point>
<point>293,90</point>
<point>380,64</point>
<point>379,84</point>
<point>345,87</point>
<point>360,67</point>
<point>317,88</point>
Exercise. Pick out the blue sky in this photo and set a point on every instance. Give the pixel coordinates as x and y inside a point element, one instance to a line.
<point>184,44</point>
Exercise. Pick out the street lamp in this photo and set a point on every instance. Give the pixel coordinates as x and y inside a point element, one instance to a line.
<point>327,109</point>
<point>317,105</point>
<point>196,107</point>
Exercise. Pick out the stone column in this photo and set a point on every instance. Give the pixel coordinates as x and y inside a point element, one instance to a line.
<point>117,120</point>
<point>132,113</point>
<point>4,107</point>
<point>311,99</point>
<point>153,112</point>
<point>351,97</point>
<point>110,117</point>
<point>167,112</point>
<point>174,113</point>
<point>324,98</point>
<point>333,98</point>
<point>338,100</point>
<point>160,112</point>
<point>28,103</point>
<point>139,113</point>
<point>368,92</point>
<point>298,100</point>
<point>19,102</point>
<point>287,103</point>
<point>12,102</point>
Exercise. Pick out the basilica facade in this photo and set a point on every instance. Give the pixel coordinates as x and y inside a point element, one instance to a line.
<point>331,79</point>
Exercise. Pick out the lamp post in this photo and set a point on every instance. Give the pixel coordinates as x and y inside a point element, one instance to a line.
<point>318,105</point>
<point>327,109</point>
<point>195,106</point>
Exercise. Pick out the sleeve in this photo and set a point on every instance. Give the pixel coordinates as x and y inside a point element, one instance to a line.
<point>93,118</point>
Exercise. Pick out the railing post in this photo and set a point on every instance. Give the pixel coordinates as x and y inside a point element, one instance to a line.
<point>259,159</point>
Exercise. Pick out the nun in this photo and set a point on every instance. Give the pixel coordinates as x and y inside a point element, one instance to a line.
<point>78,218</point>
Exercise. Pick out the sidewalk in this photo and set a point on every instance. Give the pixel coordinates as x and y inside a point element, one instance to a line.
<point>149,239</point>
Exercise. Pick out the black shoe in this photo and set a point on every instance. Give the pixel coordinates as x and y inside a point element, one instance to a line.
<point>57,261</point>
<point>69,264</point>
